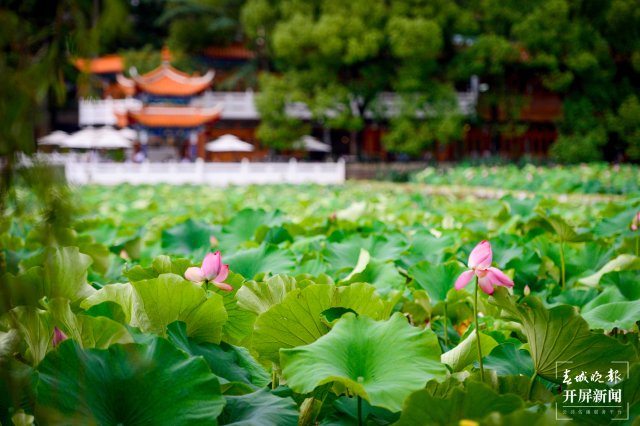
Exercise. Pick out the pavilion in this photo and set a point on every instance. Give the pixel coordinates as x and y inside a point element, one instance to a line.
<point>165,109</point>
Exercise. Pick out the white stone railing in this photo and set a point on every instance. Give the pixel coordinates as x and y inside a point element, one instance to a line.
<point>214,174</point>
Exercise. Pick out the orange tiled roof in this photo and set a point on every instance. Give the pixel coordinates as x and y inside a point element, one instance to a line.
<point>101,65</point>
<point>169,116</point>
<point>166,81</point>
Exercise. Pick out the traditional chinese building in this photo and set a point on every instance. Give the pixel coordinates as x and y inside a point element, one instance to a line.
<point>173,109</point>
<point>164,113</point>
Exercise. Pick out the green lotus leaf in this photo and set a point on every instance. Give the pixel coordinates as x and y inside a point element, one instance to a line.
<point>260,408</point>
<point>518,385</point>
<point>347,413</point>
<point>363,260</point>
<point>380,361</point>
<point>239,325</point>
<point>88,331</point>
<point>17,388</point>
<point>36,328</point>
<point>63,274</point>
<point>345,254</point>
<point>383,275</point>
<point>560,335</point>
<point>622,315</point>
<point>298,320</point>
<point>437,280</point>
<point>624,262</point>
<point>425,246</point>
<point>258,297</point>
<point>228,362</point>
<point>189,238</point>
<point>475,402</point>
<point>122,385</point>
<point>243,227</point>
<point>562,229</point>
<point>266,258</point>
<point>609,295</point>
<point>467,351</point>
<point>507,359</point>
<point>160,265</point>
<point>628,282</point>
<point>153,304</point>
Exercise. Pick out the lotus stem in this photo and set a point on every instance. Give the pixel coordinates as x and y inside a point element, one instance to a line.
<point>475,315</point>
<point>274,376</point>
<point>446,334</point>
<point>359,410</point>
<point>562,267</point>
<point>531,383</point>
<point>310,407</point>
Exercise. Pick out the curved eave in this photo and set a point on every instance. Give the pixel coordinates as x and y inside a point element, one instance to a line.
<point>169,87</point>
<point>174,116</point>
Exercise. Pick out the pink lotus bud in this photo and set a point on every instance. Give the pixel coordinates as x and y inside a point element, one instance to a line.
<point>212,270</point>
<point>635,222</point>
<point>58,336</point>
<point>480,265</point>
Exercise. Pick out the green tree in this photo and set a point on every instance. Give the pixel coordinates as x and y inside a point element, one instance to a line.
<point>338,58</point>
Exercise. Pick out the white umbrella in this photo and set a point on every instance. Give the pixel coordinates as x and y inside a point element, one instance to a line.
<point>129,133</point>
<point>309,143</point>
<point>55,138</point>
<point>82,138</point>
<point>92,138</point>
<point>228,143</point>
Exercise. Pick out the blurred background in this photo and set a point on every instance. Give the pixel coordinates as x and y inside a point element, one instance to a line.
<point>433,80</point>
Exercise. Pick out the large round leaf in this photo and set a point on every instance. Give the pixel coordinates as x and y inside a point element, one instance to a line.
<point>467,351</point>
<point>188,238</point>
<point>244,225</point>
<point>258,297</point>
<point>153,304</point>
<point>622,315</point>
<point>228,362</point>
<point>437,280</point>
<point>127,384</point>
<point>381,361</point>
<point>63,274</point>
<point>559,335</point>
<point>266,258</point>
<point>508,360</point>
<point>298,320</point>
<point>260,408</point>
<point>383,275</point>
<point>344,254</point>
<point>431,407</point>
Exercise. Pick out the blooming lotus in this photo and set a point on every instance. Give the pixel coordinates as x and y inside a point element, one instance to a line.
<point>58,336</point>
<point>480,266</point>
<point>211,271</point>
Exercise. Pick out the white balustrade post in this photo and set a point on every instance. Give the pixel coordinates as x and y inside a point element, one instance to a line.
<point>292,171</point>
<point>199,171</point>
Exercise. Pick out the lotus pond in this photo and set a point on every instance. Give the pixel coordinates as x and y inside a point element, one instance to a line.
<point>337,307</point>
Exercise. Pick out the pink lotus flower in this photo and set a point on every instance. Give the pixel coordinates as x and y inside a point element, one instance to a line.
<point>480,265</point>
<point>212,271</point>
<point>58,336</point>
<point>635,223</point>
